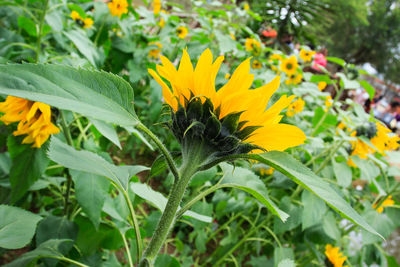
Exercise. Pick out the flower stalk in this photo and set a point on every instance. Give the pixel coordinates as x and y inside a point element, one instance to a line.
<point>192,159</point>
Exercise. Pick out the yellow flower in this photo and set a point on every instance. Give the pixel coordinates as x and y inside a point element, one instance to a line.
<point>182,31</point>
<point>275,57</point>
<point>274,68</point>
<point>34,119</point>
<point>334,256</point>
<point>154,53</point>
<point>156,6</point>
<point>118,7</point>
<point>388,202</point>
<point>265,172</point>
<point>295,107</point>
<point>75,15</point>
<point>256,64</point>
<point>87,23</point>
<point>246,6</point>
<point>351,163</point>
<point>321,85</point>
<point>227,76</point>
<point>232,36</point>
<point>161,23</point>
<point>289,65</point>
<point>252,45</point>
<point>248,125</point>
<point>328,101</point>
<point>383,140</point>
<point>361,149</point>
<point>306,55</point>
<point>294,79</point>
<point>341,125</point>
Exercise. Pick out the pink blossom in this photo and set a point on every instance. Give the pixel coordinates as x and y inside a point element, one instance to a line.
<point>319,60</point>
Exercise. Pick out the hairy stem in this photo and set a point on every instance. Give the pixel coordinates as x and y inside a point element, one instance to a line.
<point>163,149</point>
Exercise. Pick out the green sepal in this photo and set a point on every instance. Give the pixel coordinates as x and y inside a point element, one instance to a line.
<point>230,123</point>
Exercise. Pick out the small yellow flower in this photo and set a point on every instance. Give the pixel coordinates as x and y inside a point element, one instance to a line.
<point>161,23</point>
<point>75,15</point>
<point>341,125</point>
<point>275,57</point>
<point>252,45</point>
<point>256,64</point>
<point>321,85</point>
<point>266,172</point>
<point>154,53</point>
<point>289,65</point>
<point>87,23</point>
<point>232,36</point>
<point>294,79</point>
<point>274,68</point>
<point>34,119</point>
<point>156,6</point>
<point>295,107</point>
<point>351,163</point>
<point>227,76</point>
<point>328,101</point>
<point>383,140</point>
<point>306,55</point>
<point>182,31</point>
<point>388,202</point>
<point>334,256</point>
<point>118,7</point>
<point>246,6</point>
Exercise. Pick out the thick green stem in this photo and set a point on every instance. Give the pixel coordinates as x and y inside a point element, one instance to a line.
<point>163,149</point>
<point>188,169</point>
<point>39,36</point>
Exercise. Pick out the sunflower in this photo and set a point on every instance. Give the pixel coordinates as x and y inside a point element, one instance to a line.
<point>289,65</point>
<point>333,255</point>
<point>231,120</point>
<point>118,7</point>
<point>256,64</point>
<point>232,36</point>
<point>246,6</point>
<point>275,57</point>
<point>295,107</point>
<point>328,101</point>
<point>253,46</point>
<point>155,52</point>
<point>87,23</point>
<point>227,76</point>
<point>161,23</point>
<point>156,6</point>
<point>294,79</point>
<point>322,85</point>
<point>75,15</point>
<point>182,31</point>
<point>266,172</point>
<point>34,119</point>
<point>306,55</point>
<point>383,140</point>
<point>388,202</point>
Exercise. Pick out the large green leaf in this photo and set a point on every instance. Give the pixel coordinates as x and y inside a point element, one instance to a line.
<point>28,165</point>
<point>91,191</point>
<point>48,249</point>
<point>159,201</point>
<point>99,95</point>
<point>92,163</point>
<point>300,174</point>
<point>247,181</point>
<point>17,227</point>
